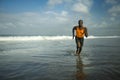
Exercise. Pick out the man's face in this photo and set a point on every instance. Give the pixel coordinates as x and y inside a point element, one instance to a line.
<point>81,23</point>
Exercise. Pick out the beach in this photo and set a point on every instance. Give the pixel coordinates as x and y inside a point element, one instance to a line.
<point>46,58</point>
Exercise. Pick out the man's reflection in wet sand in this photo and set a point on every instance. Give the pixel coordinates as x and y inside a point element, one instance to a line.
<point>80,75</point>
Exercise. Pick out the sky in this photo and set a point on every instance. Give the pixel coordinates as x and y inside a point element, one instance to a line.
<point>58,17</point>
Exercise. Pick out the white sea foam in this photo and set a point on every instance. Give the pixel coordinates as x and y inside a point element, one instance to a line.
<point>33,38</point>
<point>94,37</point>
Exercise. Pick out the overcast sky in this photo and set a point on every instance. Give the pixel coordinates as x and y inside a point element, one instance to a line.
<point>57,17</point>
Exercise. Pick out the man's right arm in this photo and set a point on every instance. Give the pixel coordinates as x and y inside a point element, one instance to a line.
<point>73,33</point>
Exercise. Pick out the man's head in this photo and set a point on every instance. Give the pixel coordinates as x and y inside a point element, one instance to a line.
<point>80,22</point>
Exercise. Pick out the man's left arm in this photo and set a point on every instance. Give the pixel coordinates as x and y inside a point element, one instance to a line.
<point>86,32</point>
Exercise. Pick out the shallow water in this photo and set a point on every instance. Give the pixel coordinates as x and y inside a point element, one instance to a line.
<point>55,60</point>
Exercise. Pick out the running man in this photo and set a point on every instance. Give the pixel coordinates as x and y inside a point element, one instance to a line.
<point>81,31</point>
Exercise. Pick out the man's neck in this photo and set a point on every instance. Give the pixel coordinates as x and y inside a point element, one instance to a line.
<point>80,26</point>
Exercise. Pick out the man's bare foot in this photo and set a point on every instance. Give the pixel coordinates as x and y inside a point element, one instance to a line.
<point>77,53</point>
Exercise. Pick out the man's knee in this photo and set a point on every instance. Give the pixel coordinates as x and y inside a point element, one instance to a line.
<point>79,45</point>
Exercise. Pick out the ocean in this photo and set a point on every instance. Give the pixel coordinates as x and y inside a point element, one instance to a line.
<point>52,58</point>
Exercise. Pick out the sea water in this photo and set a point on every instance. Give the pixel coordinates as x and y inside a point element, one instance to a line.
<point>52,58</point>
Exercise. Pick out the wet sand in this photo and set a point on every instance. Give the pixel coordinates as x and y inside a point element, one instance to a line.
<point>55,60</point>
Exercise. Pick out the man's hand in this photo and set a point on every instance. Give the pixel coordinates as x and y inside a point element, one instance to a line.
<point>73,38</point>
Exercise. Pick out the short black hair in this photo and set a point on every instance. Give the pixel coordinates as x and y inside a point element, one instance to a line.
<point>80,21</point>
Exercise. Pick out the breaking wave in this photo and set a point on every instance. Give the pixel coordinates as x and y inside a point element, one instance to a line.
<point>32,38</point>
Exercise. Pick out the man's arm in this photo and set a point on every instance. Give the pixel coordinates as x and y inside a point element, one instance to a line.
<point>73,33</point>
<point>86,32</point>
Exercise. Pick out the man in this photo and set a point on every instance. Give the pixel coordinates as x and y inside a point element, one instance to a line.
<point>81,31</point>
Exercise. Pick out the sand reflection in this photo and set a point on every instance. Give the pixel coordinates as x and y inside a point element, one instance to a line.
<point>80,75</point>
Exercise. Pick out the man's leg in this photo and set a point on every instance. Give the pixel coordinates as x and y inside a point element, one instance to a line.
<point>77,45</point>
<point>81,44</point>
<point>80,49</point>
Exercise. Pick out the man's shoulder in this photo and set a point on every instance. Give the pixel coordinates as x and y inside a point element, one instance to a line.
<point>84,27</point>
<point>75,27</point>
